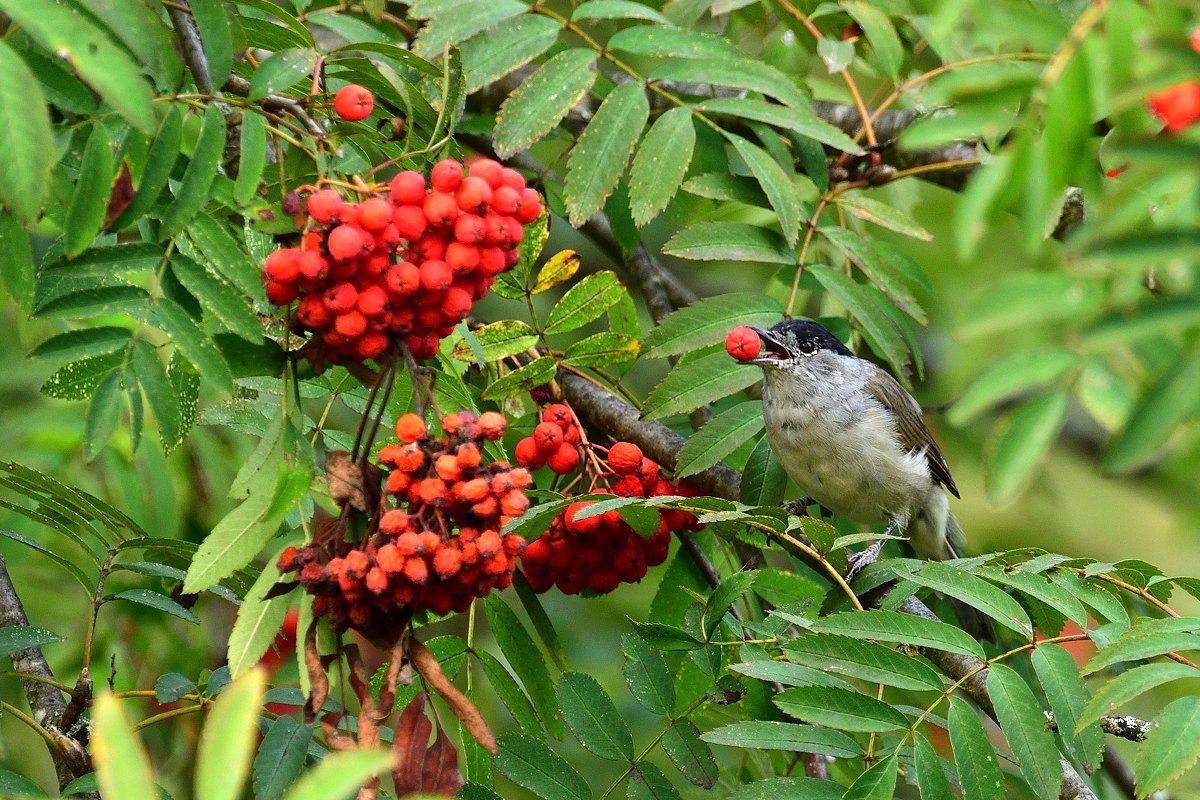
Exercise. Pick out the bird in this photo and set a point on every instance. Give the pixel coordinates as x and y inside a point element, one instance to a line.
<point>850,436</point>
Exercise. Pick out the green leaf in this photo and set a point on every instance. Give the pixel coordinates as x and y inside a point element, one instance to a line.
<point>16,252</point>
<point>526,660</point>
<point>797,118</point>
<point>584,302</point>
<point>1024,727</point>
<point>661,162</point>
<point>670,42</point>
<point>446,29</point>
<point>666,637</point>
<point>541,101</point>
<point>172,686</point>
<point>1103,602</point>
<point>866,660</point>
<point>723,186</point>
<point>102,414</point>
<point>1068,696</point>
<point>1025,300</point>
<point>491,55</point>
<point>1021,441</point>
<point>763,478</point>
<point>226,742</point>
<point>340,774</point>
<point>602,350</point>
<point>1166,404</point>
<point>193,193</point>
<point>280,757</point>
<point>883,215</point>
<point>972,590</point>
<point>161,602</point>
<point>234,541</point>
<point>83,342</point>
<point>694,383</point>
<point>691,756</point>
<point>723,596</point>
<point>80,379</point>
<point>541,622</point>
<point>535,373</point>
<point>1138,643</point>
<point>253,159</point>
<point>1128,685</point>
<point>497,340</point>
<point>217,35</point>
<point>647,782</point>
<point>876,26</point>
<point>195,345</point>
<point>122,765</point>
<point>219,297</point>
<point>723,434</point>
<point>617,9</point>
<point>591,715</point>
<point>787,736</point>
<point>708,321</point>
<point>164,151</point>
<point>930,777</point>
<point>841,709</point>
<point>1041,588</point>
<point>85,212</point>
<point>1171,747</point>
<point>863,303</point>
<point>877,782</point>
<point>646,674</point>
<point>599,158</point>
<point>1008,378</point>
<point>729,241</point>
<point>281,71</point>
<point>23,148</point>
<point>221,251</point>
<point>94,57</point>
<point>979,773</point>
<point>530,763</point>
<point>894,626</point>
<point>882,266</point>
<point>159,393</point>
<point>775,182</point>
<point>788,788</point>
<point>143,32</point>
<point>21,637</point>
<point>258,621</point>
<point>509,691</point>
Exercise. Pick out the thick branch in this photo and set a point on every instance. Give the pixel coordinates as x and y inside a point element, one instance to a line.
<point>1124,727</point>
<point>191,45</point>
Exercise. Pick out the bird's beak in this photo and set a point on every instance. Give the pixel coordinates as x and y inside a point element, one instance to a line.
<point>773,350</point>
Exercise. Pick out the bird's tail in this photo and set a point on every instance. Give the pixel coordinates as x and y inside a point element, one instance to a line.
<point>939,537</point>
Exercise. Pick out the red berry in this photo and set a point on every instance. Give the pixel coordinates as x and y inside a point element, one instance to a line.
<point>410,428</point>
<point>528,454</point>
<point>446,175</point>
<point>410,221</point>
<point>341,298</point>
<point>281,294</point>
<point>548,437</point>
<point>283,265</point>
<point>371,345</point>
<point>456,305</point>
<point>353,102</point>
<point>324,205</point>
<point>440,208</point>
<point>403,278</point>
<point>743,343</point>
<point>374,214</point>
<point>625,458</point>
<point>487,170</point>
<point>429,247</point>
<point>462,258</point>
<point>512,179</point>
<point>474,194</point>
<point>436,276</point>
<point>559,414</point>
<point>491,260</point>
<point>350,324</point>
<point>347,241</point>
<point>372,301</point>
<point>1178,106</point>
<point>407,188</point>
<point>531,207</point>
<point>506,200</point>
<point>563,460</point>
<point>313,266</point>
<point>469,229</point>
<point>312,311</point>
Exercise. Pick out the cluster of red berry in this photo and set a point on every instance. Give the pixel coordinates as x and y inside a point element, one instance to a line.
<point>441,547</point>
<point>600,552</point>
<point>409,264</point>
<point>554,442</point>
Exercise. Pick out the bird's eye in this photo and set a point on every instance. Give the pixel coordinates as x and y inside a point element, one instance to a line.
<point>808,347</point>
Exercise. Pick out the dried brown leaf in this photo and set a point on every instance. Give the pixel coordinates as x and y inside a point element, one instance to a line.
<point>422,768</point>
<point>429,668</point>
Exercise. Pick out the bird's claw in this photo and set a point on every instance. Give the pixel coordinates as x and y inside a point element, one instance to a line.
<point>798,508</point>
<point>857,561</point>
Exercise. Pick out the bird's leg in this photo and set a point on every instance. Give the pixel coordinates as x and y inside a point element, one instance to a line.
<point>798,508</point>
<point>858,561</point>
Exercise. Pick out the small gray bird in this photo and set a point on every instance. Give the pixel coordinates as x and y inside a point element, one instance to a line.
<point>852,438</point>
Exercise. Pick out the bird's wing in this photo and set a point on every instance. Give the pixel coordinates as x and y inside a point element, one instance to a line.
<point>913,433</point>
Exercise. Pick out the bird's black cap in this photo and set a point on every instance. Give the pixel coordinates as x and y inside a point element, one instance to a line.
<point>805,330</point>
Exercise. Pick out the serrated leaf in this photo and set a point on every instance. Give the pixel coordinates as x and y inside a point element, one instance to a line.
<point>217,35</point>
<point>670,42</point>
<point>708,321</point>
<point>224,253</point>
<point>280,71</point>
<point>103,412</point>
<point>1171,748</point>
<point>233,542</point>
<point>257,623</point>
<point>513,43</point>
<point>877,782</point>
<point>723,434</point>
<point>161,602</point>
<point>763,478</point>
<point>972,590</point>
<point>979,773</point>
<point>541,622</point>
<point>591,715</point>
<point>787,736</point>
<point>841,709</point>
<point>509,691</point>
<point>23,147</point>
<point>540,102</point>
<point>1068,696</point>
<point>775,182</point>
<point>340,774</point>
<point>79,379</point>
<point>602,152</point>
<point>83,342</point>
<point>1041,588</point>
<point>16,638</point>
<point>530,763</point>
<point>1021,441</point>
<point>192,194</point>
<point>881,265</point>
<point>647,782</point>
<point>602,350</point>
<point>694,383</point>
<point>122,765</point>
<point>1128,685</point>
<point>930,777</point>
<point>526,660</point>
<point>559,268</point>
<point>522,379</point>
<point>1138,643</point>
<point>584,302</point>
<point>1166,403</point>
<point>497,340</point>
<point>866,660</point>
<point>159,393</point>
<point>797,118</point>
<point>880,34</point>
<point>226,742</point>
<point>195,345</point>
<point>1103,602</point>
<point>723,596</point>
<point>883,215</point>
<point>894,626</point>
<point>93,185</point>
<point>617,9</point>
<point>97,59</point>
<point>880,330</point>
<point>1014,375</point>
<point>219,297</point>
<point>660,163</point>
<point>16,255</point>
<point>787,673</point>
<point>690,755</point>
<point>646,674</point>
<point>666,637</point>
<point>445,29</point>
<point>729,241</point>
<point>280,757</point>
<point>723,186</point>
<point>164,151</point>
<point>253,158</point>
<point>1024,727</point>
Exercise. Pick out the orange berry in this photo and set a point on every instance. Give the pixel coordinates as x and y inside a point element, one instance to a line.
<point>493,425</point>
<point>374,214</point>
<point>432,490</point>
<point>514,503</point>
<point>416,570</point>
<point>468,456</point>
<point>520,478</point>
<point>377,581</point>
<point>447,468</point>
<point>447,561</point>
<point>485,508</point>
<point>398,482</point>
<point>390,559</point>
<point>474,490</point>
<point>410,428</point>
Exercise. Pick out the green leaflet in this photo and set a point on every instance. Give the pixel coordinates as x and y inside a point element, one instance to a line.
<point>600,155</point>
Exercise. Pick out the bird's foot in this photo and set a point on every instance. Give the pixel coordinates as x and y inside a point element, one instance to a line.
<point>798,508</point>
<point>857,561</point>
